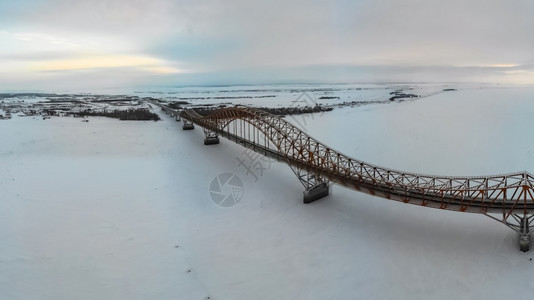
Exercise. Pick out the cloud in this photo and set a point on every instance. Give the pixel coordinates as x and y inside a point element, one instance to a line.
<point>378,40</point>
<point>103,62</point>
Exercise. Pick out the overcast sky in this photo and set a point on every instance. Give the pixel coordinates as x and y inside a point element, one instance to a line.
<point>96,43</point>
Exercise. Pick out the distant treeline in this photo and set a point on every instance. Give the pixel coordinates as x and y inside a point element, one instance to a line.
<point>398,94</point>
<point>138,114</point>
<point>281,111</point>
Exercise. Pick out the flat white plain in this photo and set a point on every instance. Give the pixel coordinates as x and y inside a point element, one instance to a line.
<point>121,210</point>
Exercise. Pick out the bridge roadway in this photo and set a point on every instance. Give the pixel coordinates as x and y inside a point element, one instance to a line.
<point>506,198</point>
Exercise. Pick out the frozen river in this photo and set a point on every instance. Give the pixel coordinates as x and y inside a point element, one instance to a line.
<point>122,210</point>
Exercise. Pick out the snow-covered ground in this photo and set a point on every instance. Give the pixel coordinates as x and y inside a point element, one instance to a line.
<point>258,95</point>
<point>289,95</point>
<point>121,210</point>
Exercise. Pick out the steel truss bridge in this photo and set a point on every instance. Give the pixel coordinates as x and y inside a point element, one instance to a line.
<point>507,198</point>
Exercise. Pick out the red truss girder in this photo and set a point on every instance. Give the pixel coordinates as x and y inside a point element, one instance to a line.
<point>505,195</point>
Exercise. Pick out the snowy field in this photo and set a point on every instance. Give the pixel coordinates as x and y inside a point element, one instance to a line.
<point>266,95</point>
<point>289,95</point>
<point>121,210</point>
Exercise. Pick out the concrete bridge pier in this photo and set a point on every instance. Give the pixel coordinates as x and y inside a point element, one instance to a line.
<point>212,138</point>
<point>524,242</point>
<point>188,125</point>
<point>524,235</point>
<point>178,119</point>
<point>316,192</point>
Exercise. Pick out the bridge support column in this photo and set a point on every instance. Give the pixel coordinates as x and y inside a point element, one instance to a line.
<point>524,234</point>
<point>212,138</point>
<point>178,119</point>
<point>316,192</point>
<point>188,125</point>
<point>520,224</point>
<point>316,187</point>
